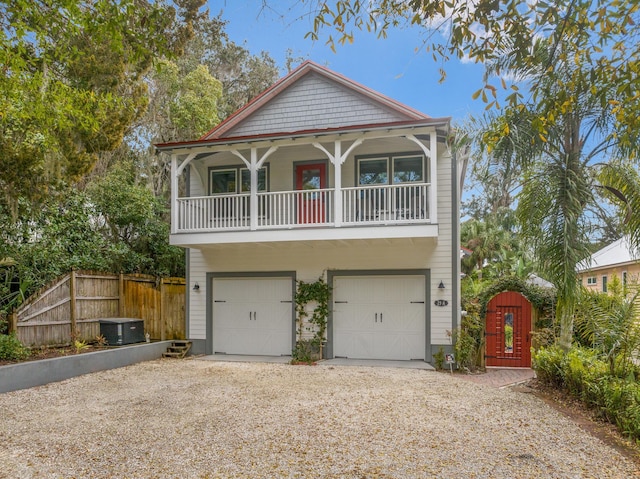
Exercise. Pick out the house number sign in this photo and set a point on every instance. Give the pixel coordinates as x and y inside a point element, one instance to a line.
<point>441,302</point>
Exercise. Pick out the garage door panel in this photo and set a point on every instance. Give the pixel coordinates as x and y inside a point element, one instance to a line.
<point>252,316</point>
<point>379,317</point>
<point>354,344</point>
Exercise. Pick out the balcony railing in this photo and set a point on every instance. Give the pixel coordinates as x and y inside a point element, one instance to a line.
<point>363,205</point>
<point>385,204</point>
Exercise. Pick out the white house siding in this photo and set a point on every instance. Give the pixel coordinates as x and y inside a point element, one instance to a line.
<point>312,260</point>
<point>441,258</point>
<point>314,102</point>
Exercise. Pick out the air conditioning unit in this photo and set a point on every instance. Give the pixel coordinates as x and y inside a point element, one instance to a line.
<point>119,331</point>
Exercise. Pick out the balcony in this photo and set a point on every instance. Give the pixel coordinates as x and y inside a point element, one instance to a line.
<point>372,205</point>
<point>281,213</point>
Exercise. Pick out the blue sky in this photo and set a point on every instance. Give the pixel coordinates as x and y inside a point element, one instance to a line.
<point>395,66</point>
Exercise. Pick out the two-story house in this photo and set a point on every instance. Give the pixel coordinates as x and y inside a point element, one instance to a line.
<point>320,177</point>
<point>615,259</point>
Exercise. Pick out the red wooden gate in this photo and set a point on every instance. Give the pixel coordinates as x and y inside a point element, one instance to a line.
<point>508,331</point>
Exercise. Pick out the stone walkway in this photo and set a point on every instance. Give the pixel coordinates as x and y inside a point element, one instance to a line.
<point>500,377</point>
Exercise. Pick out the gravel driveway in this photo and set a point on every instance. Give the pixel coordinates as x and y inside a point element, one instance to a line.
<point>201,419</point>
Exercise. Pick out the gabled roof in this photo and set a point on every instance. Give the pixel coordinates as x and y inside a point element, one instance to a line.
<point>397,111</point>
<point>311,101</point>
<point>617,253</point>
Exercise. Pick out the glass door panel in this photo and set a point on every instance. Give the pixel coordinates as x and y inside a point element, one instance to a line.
<point>310,177</point>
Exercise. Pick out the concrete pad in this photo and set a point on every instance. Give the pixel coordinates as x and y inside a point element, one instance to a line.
<point>378,363</point>
<point>373,363</point>
<point>242,358</point>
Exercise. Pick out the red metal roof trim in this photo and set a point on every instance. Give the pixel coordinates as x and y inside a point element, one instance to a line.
<point>300,133</point>
<point>304,69</point>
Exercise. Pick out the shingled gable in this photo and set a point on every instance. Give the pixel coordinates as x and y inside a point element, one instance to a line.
<point>312,98</point>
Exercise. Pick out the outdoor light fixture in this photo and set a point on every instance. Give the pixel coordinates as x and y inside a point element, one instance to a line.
<point>441,285</point>
<point>196,287</point>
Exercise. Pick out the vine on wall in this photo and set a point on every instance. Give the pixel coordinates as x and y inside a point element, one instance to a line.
<point>311,293</point>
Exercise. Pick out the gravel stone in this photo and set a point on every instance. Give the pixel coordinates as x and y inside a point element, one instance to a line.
<point>205,420</point>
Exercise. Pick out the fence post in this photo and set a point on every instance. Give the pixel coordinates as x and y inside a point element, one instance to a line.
<point>163,332</point>
<point>121,295</point>
<point>13,322</point>
<point>72,304</point>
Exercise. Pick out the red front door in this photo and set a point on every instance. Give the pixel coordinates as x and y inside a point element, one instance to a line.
<point>508,331</point>
<point>309,178</point>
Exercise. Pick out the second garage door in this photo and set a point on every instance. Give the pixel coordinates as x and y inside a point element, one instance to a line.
<point>379,317</point>
<point>252,316</point>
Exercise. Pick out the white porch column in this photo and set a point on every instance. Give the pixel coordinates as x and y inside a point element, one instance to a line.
<point>337,185</point>
<point>337,159</point>
<point>433,189</point>
<point>254,164</point>
<point>253,200</point>
<point>432,153</point>
<point>174,194</point>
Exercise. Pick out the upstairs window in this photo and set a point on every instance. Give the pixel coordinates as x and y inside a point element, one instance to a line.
<point>390,170</point>
<point>592,281</point>
<point>408,169</point>
<point>373,171</point>
<point>231,180</point>
<point>223,181</point>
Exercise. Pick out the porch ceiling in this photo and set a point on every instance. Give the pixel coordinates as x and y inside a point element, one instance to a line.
<point>314,238</point>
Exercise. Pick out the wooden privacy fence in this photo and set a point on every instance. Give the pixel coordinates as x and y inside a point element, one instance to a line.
<point>71,307</point>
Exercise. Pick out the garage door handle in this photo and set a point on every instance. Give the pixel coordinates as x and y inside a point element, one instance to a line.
<point>376,317</point>
<point>380,317</point>
<point>417,302</point>
<point>341,302</point>
<point>219,301</point>
<point>286,301</point>
<point>255,315</point>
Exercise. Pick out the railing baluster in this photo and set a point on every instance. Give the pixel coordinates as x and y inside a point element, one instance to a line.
<point>361,205</point>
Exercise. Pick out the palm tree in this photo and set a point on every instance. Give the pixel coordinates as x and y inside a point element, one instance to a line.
<point>491,240</point>
<point>557,156</point>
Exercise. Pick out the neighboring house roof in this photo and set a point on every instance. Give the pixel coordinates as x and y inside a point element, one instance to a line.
<point>617,253</point>
<point>536,280</point>
<point>312,100</point>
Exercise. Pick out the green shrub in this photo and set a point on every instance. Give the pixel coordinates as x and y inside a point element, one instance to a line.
<point>438,359</point>
<point>585,373</point>
<point>11,348</point>
<point>548,363</point>
<point>469,338</point>
<point>306,351</point>
<point>580,368</point>
<point>620,404</point>
<point>466,348</point>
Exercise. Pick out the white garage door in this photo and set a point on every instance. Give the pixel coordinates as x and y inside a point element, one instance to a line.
<point>379,317</point>
<point>252,316</point>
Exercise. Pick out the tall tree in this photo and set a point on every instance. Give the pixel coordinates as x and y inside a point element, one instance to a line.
<point>557,152</point>
<point>492,181</point>
<point>243,75</point>
<point>484,31</point>
<point>73,81</point>
<point>183,105</point>
<point>189,96</point>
